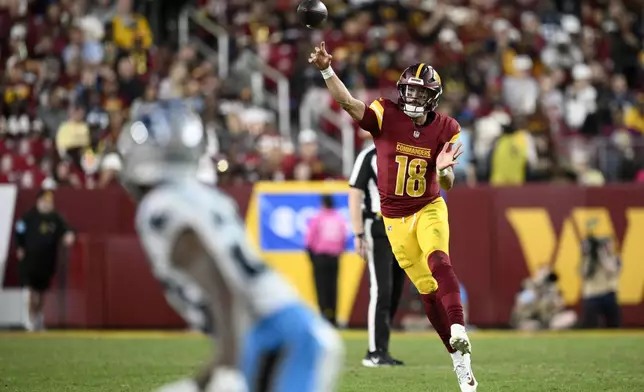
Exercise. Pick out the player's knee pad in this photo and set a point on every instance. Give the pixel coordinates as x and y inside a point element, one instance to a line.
<point>426,284</point>
<point>401,257</point>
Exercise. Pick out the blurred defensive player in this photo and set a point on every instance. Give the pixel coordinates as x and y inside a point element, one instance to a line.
<point>415,155</point>
<point>196,246</point>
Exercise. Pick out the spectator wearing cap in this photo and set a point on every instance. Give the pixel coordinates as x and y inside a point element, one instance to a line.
<point>93,34</point>
<point>39,232</point>
<point>110,166</point>
<point>581,97</point>
<point>521,91</point>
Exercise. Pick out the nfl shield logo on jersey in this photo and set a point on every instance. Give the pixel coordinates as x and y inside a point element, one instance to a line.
<point>416,134</point>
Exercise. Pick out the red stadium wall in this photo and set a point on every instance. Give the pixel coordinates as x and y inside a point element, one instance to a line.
<point>498,237</point>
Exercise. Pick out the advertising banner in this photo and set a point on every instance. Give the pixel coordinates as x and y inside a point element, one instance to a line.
<point>276,222</point>
<point>284,216</point>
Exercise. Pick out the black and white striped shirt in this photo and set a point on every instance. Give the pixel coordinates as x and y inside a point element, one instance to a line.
<point>364,176</point>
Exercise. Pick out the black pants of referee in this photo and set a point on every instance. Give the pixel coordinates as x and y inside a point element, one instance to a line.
<point>386,280</point>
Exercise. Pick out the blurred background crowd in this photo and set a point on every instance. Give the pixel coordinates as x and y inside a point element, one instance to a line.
<point>544,90</point>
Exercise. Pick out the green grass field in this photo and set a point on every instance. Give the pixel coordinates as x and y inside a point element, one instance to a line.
<point>504,361</point>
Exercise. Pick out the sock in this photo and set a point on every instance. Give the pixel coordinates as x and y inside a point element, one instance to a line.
<point>448,293</point>
<point>40,320</point>
<point>30,321</point>
<point>438,317</point>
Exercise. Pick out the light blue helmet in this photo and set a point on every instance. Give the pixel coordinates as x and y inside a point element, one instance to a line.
<point>161,144</point>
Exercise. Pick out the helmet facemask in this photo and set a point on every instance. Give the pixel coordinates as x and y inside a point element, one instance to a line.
<point>418,100</point>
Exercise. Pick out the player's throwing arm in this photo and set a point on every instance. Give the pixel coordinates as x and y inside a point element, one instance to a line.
<point>322,60</point>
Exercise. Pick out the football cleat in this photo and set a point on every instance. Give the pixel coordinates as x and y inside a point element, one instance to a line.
<point>378,359</point>
<point>459,339</point>
<point>397,362</point>
<point>464,374</point>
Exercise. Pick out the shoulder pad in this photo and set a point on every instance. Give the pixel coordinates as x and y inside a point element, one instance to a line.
<point>452,130</point>
<point>388,103</point>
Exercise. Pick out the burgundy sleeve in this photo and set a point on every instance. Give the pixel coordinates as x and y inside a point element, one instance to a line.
<point>453,132</point>
<point>372,118</point>
<point>450,134</point>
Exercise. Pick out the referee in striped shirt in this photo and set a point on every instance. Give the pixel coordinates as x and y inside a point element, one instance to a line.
<point>386,278</point>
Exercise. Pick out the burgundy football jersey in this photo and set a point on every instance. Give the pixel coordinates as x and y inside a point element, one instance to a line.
<point>406,156</point>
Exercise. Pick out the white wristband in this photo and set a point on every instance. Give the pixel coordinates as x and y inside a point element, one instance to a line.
<point>327,73</point>
<point>442,172</point>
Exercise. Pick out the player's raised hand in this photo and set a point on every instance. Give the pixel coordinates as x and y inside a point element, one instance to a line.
<point>320,57</point>
<point>448,156</point>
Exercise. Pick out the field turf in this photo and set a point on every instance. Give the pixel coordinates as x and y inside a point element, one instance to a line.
<point>504,361</point>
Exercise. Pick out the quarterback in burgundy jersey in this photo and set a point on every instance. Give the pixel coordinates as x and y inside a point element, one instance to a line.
<point>411,184</point>
<point>416,151</point>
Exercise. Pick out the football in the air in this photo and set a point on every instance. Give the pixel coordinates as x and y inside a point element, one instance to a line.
<point>312,13</point>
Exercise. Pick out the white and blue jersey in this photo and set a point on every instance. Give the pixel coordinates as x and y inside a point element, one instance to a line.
<point>270,321</point>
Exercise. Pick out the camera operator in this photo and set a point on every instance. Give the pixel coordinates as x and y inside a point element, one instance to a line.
<point>540,305</point>
<point>600,269</point>
<point>38,234</point>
